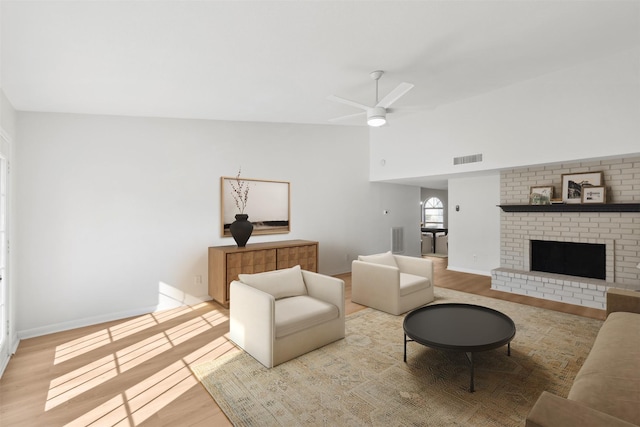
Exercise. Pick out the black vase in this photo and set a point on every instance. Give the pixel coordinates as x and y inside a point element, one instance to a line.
<point>241,230</point>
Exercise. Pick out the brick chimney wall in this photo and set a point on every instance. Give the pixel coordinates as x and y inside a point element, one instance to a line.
<point>619,231</point>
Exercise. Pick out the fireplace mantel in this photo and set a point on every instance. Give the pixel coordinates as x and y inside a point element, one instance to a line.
<point>577,207</point>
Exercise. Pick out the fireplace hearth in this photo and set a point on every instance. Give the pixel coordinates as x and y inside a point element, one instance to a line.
<point>565,285</point>
<point>569,258</point>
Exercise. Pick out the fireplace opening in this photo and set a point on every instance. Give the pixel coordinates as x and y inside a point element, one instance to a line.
<point>573,259</point>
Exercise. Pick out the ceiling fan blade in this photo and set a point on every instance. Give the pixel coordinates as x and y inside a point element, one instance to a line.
<point>411,109</point>
<point>348,102</point>
<point>350,116</point>
<point>394,95</point>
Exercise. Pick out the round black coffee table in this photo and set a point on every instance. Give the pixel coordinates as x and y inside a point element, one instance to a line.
<point>461,327</point>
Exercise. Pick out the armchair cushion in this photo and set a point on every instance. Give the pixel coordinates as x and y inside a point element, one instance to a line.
<point>386,258</point>
<point>284,283</point>
<point>410,283</point>
<point>298,313</point>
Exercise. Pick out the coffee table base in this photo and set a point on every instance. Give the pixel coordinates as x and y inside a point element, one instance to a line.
<point>469,358</point>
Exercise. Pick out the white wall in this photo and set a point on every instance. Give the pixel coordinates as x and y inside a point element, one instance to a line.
<point>116,213</point>
<point>588,111</point>
<point>474,230</point>
<point>401,204</point>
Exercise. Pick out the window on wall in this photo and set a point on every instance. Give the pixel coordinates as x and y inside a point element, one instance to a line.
<point>433,213</point>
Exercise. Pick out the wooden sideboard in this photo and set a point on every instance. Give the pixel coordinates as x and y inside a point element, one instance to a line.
<point>226,262</point>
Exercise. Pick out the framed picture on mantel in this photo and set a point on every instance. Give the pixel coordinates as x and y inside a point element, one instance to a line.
<point>540,195</point>
<point>594,194</point>
<point>573,184</point>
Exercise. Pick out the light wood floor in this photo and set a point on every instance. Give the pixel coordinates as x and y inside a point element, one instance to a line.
<point>136,371</point>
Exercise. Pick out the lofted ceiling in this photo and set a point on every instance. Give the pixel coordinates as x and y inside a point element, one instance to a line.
<point>278,61</point>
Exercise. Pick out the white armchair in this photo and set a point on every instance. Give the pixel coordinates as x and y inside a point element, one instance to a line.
<point>392,283</point>
<point>282,314</point>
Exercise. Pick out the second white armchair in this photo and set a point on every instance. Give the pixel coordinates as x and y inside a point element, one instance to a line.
<point>392,283</point>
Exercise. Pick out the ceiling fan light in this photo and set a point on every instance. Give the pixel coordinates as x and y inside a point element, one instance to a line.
<point>376,121</point>
<point>376,117</point>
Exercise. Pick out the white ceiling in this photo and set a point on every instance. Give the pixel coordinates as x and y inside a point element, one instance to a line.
<point>273,61</point>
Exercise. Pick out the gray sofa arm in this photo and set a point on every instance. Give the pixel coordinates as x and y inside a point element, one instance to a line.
<point>551,410</point>
<point>622,300</point>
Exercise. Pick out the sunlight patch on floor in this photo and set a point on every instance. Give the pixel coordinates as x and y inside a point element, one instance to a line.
<point>96,340</point>
<point>81,346</point>
<point>139,403</point>
<point>81,380</point>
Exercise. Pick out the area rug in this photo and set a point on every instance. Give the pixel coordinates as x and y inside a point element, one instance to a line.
<point>362,380</point>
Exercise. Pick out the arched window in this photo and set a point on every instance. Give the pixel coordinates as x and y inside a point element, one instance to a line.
<point>433,213</point>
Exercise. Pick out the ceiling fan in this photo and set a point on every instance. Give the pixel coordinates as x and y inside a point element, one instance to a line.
<point>376,115</point>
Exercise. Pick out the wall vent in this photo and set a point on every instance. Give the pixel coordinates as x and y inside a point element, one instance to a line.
<point>397,240</point>
<point>474,158</point>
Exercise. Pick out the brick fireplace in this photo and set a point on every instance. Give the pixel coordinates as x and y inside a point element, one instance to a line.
<point>619,232</point>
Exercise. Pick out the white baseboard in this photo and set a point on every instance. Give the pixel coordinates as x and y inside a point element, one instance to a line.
<point>79,323</point>
<point>5,358</point>
<point>4,361</point>
<point>468,270</point>
<point>164,304</point>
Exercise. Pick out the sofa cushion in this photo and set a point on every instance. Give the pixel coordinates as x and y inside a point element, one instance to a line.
<point>609,380</point>
<point>284,283</point>
<point>296,314</point>
<point>410,283</point>
<point>384,259</point>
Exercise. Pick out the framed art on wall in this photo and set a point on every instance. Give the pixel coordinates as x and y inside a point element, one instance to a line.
<point>573,183</point>
<point>540,195</point>
<point>594,194</point>
<point>265,202</point>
